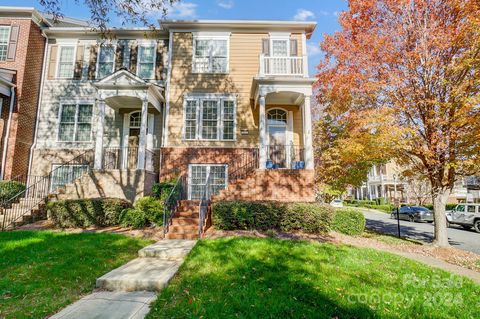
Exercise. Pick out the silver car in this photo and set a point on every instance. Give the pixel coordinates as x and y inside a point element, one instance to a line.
<point>465,215</point>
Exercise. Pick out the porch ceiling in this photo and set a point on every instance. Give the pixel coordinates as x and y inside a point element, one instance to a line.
<point>288,90</point>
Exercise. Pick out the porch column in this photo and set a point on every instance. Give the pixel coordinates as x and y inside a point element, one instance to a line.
<point>262,128</point>
<point>99,134</point>
<point>143,136</point>
<point>307,133</point>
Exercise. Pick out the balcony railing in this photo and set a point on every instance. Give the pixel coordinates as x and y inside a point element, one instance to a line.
<point>287,66</point>
<point>127,158</point>
<point>285,156</point>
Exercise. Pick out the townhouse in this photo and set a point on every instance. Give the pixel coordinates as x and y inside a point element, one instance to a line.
<point>223,103</point>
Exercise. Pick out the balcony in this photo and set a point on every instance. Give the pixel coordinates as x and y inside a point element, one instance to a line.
<point>283,66</point>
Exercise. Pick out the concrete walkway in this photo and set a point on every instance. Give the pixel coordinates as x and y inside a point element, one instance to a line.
<point>133,286</point>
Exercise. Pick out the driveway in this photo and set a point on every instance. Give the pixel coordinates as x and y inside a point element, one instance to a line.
<point>463,239</point>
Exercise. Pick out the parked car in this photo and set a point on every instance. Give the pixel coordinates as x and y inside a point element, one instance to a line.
<point>465,215</point>
<point>414,214</point>
<point>336,203</point>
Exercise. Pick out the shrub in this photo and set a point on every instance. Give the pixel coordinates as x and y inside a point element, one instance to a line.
<point>152,208</point>
<point>246,215</point>
<point>163,189</point>
<point>8,189</point>
<point>307,217</point>
<point>86,212</point>
<point>132,217</point>
<point>348,221</point>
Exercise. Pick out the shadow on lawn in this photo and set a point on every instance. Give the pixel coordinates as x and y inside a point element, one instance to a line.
<point>224,279</point>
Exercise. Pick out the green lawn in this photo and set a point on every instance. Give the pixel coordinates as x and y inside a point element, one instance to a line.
<point>42,271</point>
<point>268,278</point>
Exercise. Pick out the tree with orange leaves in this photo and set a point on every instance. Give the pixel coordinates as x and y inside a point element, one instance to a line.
<point>417,64</point>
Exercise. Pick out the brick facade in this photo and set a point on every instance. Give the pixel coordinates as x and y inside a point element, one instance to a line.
<point>28,66</point>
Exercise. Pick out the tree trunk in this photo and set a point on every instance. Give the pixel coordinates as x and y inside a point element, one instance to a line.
<point>439,201</point>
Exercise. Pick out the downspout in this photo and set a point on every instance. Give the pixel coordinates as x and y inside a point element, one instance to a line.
<point>42,82</point>
<point>167,94</point>
<point>5,145</point>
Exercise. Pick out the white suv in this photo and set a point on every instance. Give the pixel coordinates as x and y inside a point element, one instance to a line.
<point>465,215</point>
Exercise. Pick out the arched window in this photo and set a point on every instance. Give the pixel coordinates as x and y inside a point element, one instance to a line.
<point>277,117</point>
<point>135,119</point>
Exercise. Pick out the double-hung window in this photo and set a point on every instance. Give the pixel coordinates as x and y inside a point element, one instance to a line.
<point>66,61</point>
<point>146,61</point>
<point>210,55</point>
<point>209,118</point>
<point>4,34</point>
<point>75,123</point>
<point>106,61</point>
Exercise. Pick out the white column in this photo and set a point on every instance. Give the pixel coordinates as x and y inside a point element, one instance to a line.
<point>262,129</point>
<point>143,136</point>
<point>99,134</point>
<point>307,133</point>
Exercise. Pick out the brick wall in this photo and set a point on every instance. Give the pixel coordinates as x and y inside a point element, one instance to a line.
<point>174,161</point>
<point>28,65</point>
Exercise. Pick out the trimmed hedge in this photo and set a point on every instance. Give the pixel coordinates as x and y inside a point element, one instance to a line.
<point>348,221</point>
<point>306,217</point>
<point>162,190</point>
<point>86,212</point>
<point>8,189</point>
<point>147,211</point>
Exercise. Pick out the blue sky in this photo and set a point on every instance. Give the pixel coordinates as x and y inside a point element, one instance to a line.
<point>324,12</point>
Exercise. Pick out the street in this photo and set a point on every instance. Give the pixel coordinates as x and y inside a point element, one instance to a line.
<point>381,222</point>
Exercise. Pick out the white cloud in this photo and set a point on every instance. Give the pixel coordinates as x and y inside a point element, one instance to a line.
<point>313,49</point>
<point>226,4</point>
<point>183,10</point>
<point>303,15</point>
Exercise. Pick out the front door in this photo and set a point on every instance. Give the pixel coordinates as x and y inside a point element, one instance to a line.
<point>277,137</point>
<point>132,151</point>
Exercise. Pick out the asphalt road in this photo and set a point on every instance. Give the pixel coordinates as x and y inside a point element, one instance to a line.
<point>463,239</point>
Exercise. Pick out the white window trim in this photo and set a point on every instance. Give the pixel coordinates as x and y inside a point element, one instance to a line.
<point>97,69</point>
<point>59,51</point>
<point>209,97</point>
<point>76,103</point>
<point>147,44</point>
<point>8,39</point>
<point>211,36</point>
<point>208,173</point>
<point>282,37</point>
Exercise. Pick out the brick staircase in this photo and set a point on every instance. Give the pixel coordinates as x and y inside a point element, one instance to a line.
<point>185,221</point>
<point>26,210</point>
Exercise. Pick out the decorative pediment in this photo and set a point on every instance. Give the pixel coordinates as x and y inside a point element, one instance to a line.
<point>121,77</point>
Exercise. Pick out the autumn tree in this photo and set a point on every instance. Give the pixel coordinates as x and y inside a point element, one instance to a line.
<point>130,12</point>
<point>418,61</point>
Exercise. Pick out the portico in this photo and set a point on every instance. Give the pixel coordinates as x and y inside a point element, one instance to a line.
<point>277,148</point>
<point>125,91</point>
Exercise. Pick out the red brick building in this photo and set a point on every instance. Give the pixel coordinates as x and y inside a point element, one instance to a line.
<point>21,57</point>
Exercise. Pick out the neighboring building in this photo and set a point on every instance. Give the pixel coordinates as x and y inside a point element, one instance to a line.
<point>386,181</point>
<point>219,102</point>
<point>21,57</point>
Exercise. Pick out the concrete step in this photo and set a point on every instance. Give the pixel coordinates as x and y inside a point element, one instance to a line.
<point>182,221</point>
<point>150,274</point>
<point>182,236</point>
<point>168,249</point>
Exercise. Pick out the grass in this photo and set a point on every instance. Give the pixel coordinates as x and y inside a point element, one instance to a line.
<point>268,278</point>
<point>42,271</point>
<point>389,239</point>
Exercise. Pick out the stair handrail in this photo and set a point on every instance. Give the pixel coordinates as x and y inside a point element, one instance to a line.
<point>248,163</point>
<point>37,191</point>
<point>204,204</point>
<point>171,203</point>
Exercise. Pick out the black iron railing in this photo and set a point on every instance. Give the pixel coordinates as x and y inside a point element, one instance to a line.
<point>39,187</point>
<point>120,157</point>
<point>285,156</point>
<point>204,204</point>
<point>178,193</point>
<point>244,165</point>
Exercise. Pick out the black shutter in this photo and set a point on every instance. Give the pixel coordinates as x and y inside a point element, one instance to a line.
<point>133,58</point>
<point>92,64</point>
<point>119,55</point>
